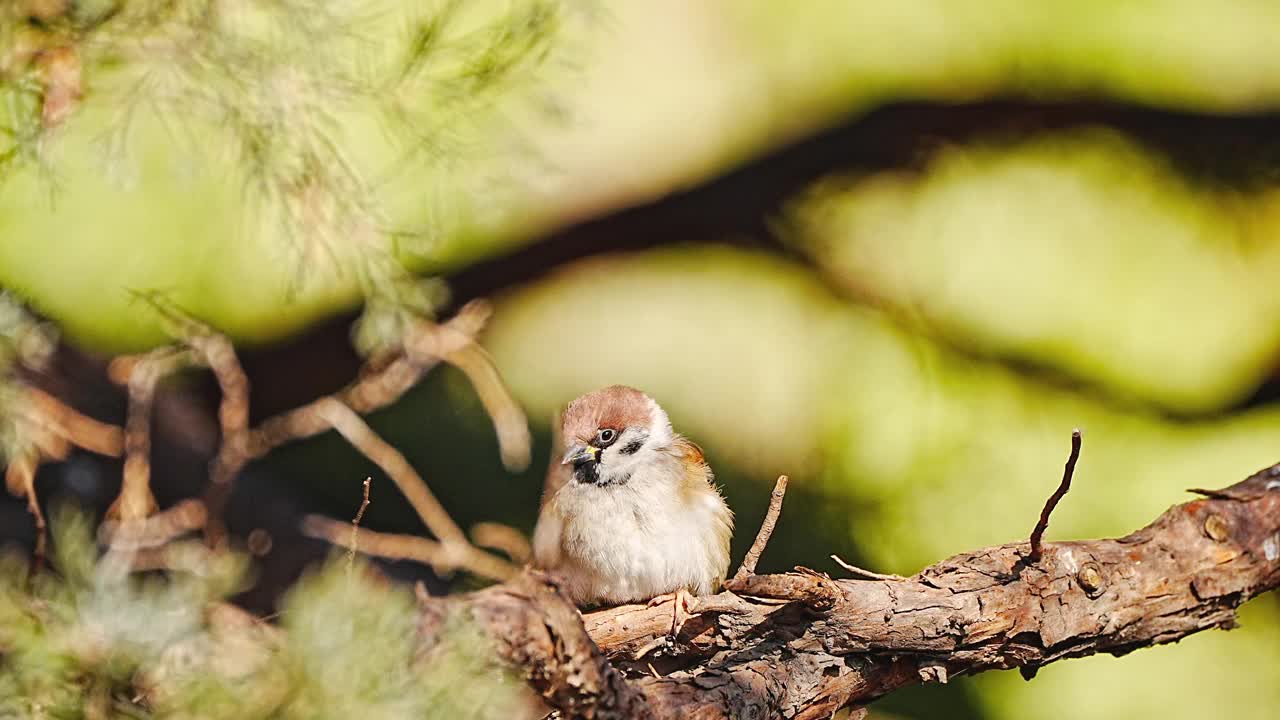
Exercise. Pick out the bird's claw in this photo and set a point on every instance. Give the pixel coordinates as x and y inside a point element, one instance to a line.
<point>685,605</point>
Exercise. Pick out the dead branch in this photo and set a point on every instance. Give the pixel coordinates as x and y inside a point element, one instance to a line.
<point>391,546</point>
<point>503,538</point>
<point>357,432</point>
<point>373,390</point>
<point>508,419</point>
<point>453,550</point>
<point>855,570</point>
<point>217,353</point>
<point>155,531</point>
<point>143,373</point>
<point>1056,497</point>
<point>20,479</point>
<point>752,557</point>
<point>379,384</point>
<point>80,430</point>
<point>984,610</point>
<point>355,525</point>
<point>50,427</point>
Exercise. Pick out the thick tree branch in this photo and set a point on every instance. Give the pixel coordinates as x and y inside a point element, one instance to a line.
<point>802,645</point>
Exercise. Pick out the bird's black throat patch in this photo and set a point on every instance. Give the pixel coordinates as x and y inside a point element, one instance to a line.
<point>587,472</point>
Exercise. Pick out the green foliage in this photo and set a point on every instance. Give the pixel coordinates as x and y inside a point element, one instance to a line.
<point>308,109</point>
<point>97,640</point>
<point>73,643</point>
<point>331,615</point>
<point>23,339</point>
<point>24,342</point>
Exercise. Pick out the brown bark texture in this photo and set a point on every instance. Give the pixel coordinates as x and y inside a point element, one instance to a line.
<point>804,645</point>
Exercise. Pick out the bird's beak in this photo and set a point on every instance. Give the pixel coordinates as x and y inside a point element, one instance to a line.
<point>580,453</point>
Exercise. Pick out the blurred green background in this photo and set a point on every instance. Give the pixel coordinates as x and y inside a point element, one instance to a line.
<point>894,250</point>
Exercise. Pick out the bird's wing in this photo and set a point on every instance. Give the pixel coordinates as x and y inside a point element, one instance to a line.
<point>691,456</point>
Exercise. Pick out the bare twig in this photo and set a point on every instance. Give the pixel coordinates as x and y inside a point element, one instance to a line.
<point>425,344</point>
<point>20,478</point>
<point>357,432</point>
<point>392,546</point>
<point>241,444</point>
<point>370,392</point>
<point>454,550</point>
<point>1057,496</point>
<point>854,569</point>
<point>374,389</point>
<point>508,419</point>
<point>155,531</point>
<point>136,501</point>
<point>504,539</point>
<point>217,352</point>
<point>50,427</point>
<point>748,566</point>
<point>80,430</point>
<point>455,343</point>
<point>355,526</point>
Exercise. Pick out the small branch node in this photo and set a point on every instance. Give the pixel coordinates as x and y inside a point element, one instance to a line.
<point>355,526</point>
<point>1038,533</point>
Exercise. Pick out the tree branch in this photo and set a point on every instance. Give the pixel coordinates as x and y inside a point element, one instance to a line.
<point>1052,503</point>
<point>803,645</point>
<point>748,566</point>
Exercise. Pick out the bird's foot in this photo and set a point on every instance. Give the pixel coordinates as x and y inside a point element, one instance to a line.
<point>685,605</point>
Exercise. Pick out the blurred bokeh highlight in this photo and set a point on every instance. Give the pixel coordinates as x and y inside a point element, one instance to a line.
<point>894,250</point>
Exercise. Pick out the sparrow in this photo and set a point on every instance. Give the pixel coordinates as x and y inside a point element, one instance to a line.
<point>632,512</point>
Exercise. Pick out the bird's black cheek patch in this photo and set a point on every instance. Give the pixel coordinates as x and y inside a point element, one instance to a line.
<point>632,447</point>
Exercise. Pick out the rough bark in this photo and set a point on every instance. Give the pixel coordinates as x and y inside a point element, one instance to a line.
<point>802,645</point>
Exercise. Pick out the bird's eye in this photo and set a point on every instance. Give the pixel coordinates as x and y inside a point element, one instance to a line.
<point>606,436</point>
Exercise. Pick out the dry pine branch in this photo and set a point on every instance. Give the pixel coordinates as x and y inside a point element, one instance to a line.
<point>801,645</point>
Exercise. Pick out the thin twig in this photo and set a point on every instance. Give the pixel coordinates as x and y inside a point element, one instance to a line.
<point>456,344</point>
<point>357,432</point>
<point>80,430</point>
<point>155,531</point>
<point>454,550</point>
<point>51,427</point>
<point>748,566</point>
<point>854,569</point>
<point>508,418</point>
<point>20,477</point>
<point>1056,497</point>
<point>135,501</point>
<point>217,352</point>
<point>503,538</point>
<point>424,347</point>
<point>370,392</point>
<point>355,526</point>
<point>374,389</point>
<point>423,550</point>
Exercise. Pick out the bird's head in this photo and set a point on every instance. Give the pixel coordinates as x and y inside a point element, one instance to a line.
<point>611,433</point>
